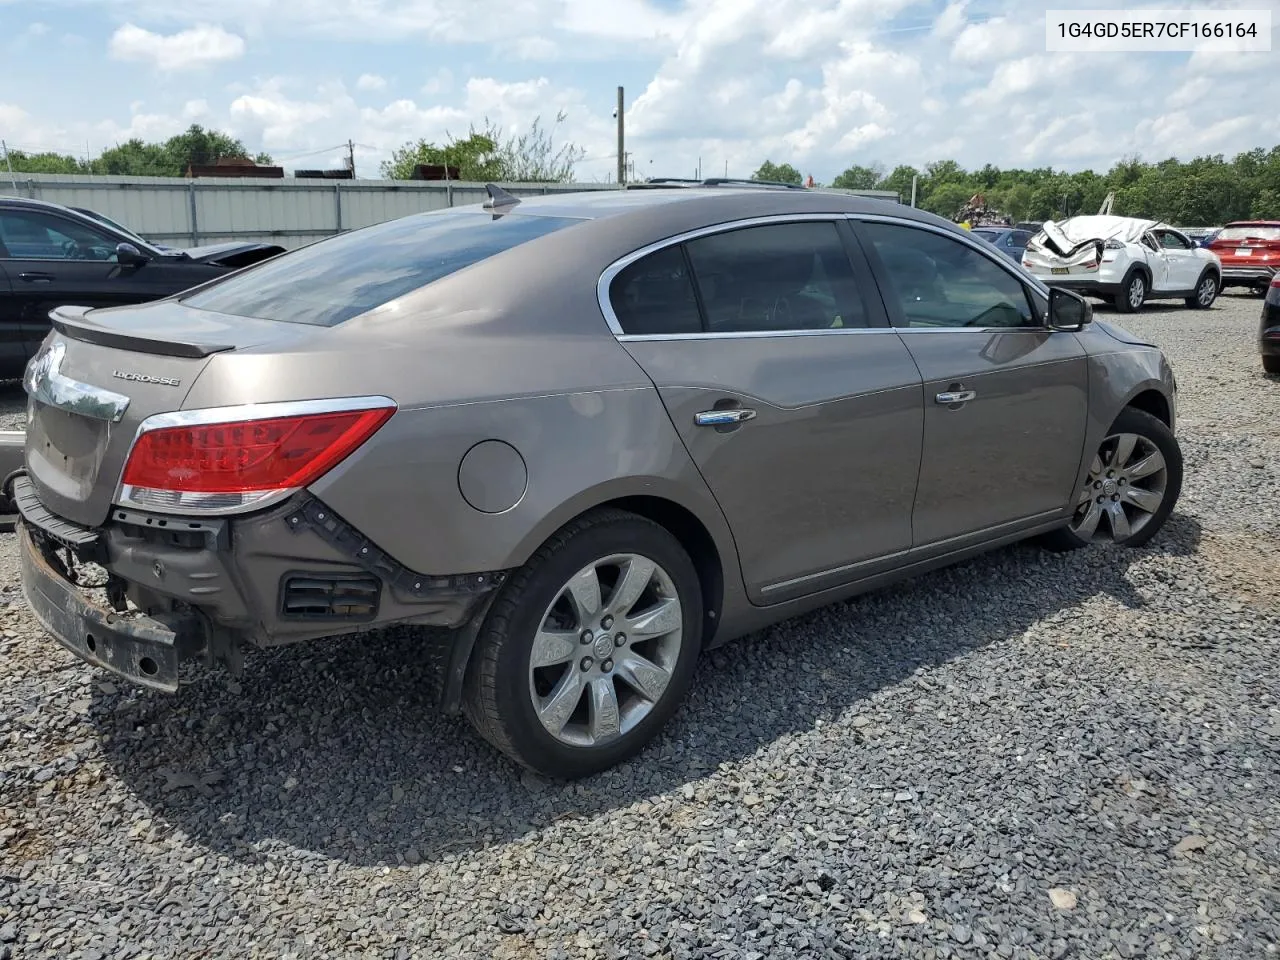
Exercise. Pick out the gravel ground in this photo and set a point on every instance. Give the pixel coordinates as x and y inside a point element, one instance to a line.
<point>1028,755</point>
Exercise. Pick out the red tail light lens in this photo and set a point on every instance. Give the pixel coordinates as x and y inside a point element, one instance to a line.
<point>223,466</point>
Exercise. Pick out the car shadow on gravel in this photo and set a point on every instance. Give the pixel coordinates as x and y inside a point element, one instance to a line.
<point>334,748</point>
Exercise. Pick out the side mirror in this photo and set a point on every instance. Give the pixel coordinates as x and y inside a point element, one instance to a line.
<point>1068,311</point>
<point>127,255</point>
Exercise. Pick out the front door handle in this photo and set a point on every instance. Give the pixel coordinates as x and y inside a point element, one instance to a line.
<point>721,418</point>
<point>36,277</point>
<point>956,396</point>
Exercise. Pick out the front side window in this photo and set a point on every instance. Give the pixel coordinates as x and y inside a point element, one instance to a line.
<point>940,282</point>
<point>345,276</point>
<point>1171,240</point>
<point>28,235</point>
<point>777,277</point>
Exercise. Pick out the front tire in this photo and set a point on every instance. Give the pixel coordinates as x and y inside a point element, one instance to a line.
<point>1207,289</point>
<point>1133,292</point>
<point>1131,488</point>
<point>589,648</point>
<point>1271,364</point>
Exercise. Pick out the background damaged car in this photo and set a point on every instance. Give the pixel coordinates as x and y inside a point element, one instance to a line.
<point>1125,261</point>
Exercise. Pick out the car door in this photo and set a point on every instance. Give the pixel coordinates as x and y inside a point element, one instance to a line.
<point>1180,259</point>
<point>1005,397</point>
<point>54,261</point>
<point>1162,279</point>
<point>799,404</point>
<point>13,354</point>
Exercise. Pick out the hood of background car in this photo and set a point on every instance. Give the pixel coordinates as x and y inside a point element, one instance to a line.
<point>233,254</point>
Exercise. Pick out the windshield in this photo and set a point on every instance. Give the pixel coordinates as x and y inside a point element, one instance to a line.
<point>1250,233</point>
<point>118,227</point>
<point>987,234</point>
<point>343,277</point>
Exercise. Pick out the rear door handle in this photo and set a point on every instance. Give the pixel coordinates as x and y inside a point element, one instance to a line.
<point>956,396</point>
<point>36,277</point>
<point>720,418</point>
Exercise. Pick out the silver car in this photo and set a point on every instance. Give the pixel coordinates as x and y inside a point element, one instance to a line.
<point>590,435</point>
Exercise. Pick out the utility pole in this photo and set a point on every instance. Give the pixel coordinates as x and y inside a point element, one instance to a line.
<point>9,164</point>
<point>913,189</point>
<point>622,148</point>
<point>351,158</point>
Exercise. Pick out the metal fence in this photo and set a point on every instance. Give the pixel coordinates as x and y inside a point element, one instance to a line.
<point>290,211</point>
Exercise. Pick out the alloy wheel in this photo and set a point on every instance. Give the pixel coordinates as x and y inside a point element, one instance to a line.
<point>1208,289</point>
<point>605,650</point>
<point>1124,490</point>
<point>1137,292</point>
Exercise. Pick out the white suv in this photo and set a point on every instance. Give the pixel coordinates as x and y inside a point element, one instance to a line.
<point>1125,261</point>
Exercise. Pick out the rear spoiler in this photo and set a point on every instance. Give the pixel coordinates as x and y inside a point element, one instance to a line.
<point>74,322</point>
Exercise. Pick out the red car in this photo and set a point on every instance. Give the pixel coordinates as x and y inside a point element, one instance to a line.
<point>1250,253</point>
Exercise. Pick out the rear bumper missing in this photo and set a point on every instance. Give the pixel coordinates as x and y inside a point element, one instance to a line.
<point>180,588</point>
<point>138,647</point>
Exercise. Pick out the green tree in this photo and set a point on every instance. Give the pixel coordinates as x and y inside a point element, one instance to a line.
<point>859,178</point>
<point>900,182</point>
<point>196,145</point>
<point>43,163</point>
<point>778,173</point>
<point>488,155</point>
<point>947,199</point>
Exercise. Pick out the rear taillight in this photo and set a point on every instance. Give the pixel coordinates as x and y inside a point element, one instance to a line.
<point>232,459</point>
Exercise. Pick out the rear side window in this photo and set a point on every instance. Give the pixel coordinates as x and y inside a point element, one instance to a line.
<point>779,277</point>
<point>343,277</point>
<point>655,295</point>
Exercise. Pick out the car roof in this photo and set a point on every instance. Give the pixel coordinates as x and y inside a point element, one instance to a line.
<point>1254,223</point>
<point>713,202</point>
<point>33,204</point>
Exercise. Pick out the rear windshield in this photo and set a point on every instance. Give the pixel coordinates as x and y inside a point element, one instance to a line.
<point>1249,233</point>
<point>343,277</point>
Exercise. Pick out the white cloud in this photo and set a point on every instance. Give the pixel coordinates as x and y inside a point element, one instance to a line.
<point>370,81</point>
<point>189,49</point>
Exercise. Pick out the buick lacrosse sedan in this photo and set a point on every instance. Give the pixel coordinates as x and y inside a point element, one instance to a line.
<point>591,435</point>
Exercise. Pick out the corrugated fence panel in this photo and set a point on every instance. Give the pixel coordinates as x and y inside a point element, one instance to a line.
<point>290,212</point>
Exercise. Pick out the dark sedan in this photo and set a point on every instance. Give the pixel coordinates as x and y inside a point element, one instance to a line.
<point>1008,240</point>
<point>1269,329</point>
<point>53,256</point>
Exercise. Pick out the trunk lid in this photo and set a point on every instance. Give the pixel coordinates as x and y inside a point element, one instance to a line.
<point>99,375</point>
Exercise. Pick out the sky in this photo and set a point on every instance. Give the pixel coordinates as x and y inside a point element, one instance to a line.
<point>821,84</point>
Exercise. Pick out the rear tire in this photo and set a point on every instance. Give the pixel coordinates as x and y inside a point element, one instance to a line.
<point>1207,289</point>
<point>1133,292</point>
<point>535,670</point>
<point>1271,364</point>
<point>1132,486</point>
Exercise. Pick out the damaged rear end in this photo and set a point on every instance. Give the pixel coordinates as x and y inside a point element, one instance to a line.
<point>151,533</point>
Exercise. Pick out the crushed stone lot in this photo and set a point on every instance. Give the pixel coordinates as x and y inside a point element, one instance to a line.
<point>1025,756</point>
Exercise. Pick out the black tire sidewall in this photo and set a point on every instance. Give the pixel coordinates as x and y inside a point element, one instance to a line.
<point>1193,301</point>
<point>533,745</point>
<point>1123,303</point>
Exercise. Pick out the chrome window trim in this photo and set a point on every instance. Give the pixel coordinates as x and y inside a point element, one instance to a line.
<point>44,383</point>
<point>611,272</point>
<point>238,413</point>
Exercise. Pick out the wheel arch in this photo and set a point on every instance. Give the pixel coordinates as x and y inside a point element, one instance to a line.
<point>1150,400</point>
<point>706,539</point>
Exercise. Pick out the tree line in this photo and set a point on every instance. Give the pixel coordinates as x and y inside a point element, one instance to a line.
<point>137,158</point>
<point>1205,191</point>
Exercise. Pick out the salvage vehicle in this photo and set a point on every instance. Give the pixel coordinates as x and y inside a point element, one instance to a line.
<point>1269,329</point>
<point>52,256</point>
<point>1250,253</point>
<point>589,435</point>
<point>1125,261</point>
